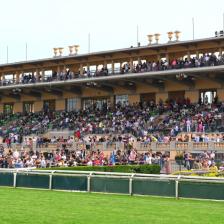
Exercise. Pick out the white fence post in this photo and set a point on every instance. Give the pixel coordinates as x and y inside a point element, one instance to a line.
<point>177,187</point>
<point>14,179</point>
<point>50,180</point>
<point>89,182</point>
<point>131,184</point>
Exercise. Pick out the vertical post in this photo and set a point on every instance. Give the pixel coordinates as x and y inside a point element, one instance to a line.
<point>131,64</point>
<point>43,76</point>
<point>26,52</point>
<point>193,26</point>
<point>177,187</point>
<point>137,36</point>
<point>50,180</point>
<point>223,24</point>
<point>81,70</point>
<point>7,54</point>
<point>131,184</point>
<point>89,182</point>
<point>89,43</point>
<point>14,179</point>
<point>112,67</point>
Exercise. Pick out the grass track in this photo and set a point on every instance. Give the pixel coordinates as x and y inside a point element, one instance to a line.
<point>24,206</point>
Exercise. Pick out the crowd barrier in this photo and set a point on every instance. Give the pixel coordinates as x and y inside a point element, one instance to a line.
<point>123,183</point>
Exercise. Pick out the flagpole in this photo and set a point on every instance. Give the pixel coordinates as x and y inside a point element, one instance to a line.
<point>89,43</point>
<point>137,35</point>
<point>193,26</point>
<point>7,54</point>
<point>26,52</point>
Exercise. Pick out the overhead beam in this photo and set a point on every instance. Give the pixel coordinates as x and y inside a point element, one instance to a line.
<point>151,83</point>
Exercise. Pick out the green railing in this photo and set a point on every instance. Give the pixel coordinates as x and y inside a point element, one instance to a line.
<point>123,183</point>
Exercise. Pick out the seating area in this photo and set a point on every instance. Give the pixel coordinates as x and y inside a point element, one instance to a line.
<point>203,60</point>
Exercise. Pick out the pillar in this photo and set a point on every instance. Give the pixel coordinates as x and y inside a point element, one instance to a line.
<point>81,69</point>
<point>167,58</point>
<point>43,75</point>
<point>197,54</point>
<point>188,56</point>
<point>17,76</point>
<point>112,67</point>
<point>37,75</point>
<point>104,64</point>
<point>131,64</point>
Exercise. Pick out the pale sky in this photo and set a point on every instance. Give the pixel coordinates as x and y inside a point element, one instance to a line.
<point>112,24</point>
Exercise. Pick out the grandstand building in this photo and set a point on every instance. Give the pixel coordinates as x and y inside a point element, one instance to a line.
<point>175,70</point>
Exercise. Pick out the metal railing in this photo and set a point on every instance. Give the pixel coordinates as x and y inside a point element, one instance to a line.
<point>141,147</point>
<point>125,183</point>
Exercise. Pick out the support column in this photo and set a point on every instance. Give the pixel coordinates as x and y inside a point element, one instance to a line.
<point>104,64</point>
<point>197,54</point>
<point>17,76</point>
<point>112,67</point>
<point>81,69</point>
<point>43,75</point>
<point>220,51</point>
<point>188,56</point>
<point>167,58</point>
<point>121,66</point>
<point>37,75</point>
<point>131,64</point>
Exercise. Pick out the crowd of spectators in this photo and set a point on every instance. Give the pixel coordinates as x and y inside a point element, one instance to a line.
<point>64,155</point>
<point>141,66</point>
<point>203,161</point>
<point>163,64</point>
<point>147,122</point>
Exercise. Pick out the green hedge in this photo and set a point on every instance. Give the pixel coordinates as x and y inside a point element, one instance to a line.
<point>150,169</point>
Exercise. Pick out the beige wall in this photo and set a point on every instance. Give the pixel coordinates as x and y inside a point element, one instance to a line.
<point>38,106</point>
<point>135,98</point>
<point>193,95</point>
<point>60,104</point>
<point>18,108</point>
<point>220,94</point>
<point>161,96</point>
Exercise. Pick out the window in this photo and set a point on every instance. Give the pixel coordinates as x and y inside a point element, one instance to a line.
<point>8,108</point>
<point>95,103</point>
<point>121,99</point>
<point>72,104</point>
<point>28,107</point>
<point>208,96</point>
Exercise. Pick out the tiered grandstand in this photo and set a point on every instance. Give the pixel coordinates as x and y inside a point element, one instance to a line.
<point>134,105</point>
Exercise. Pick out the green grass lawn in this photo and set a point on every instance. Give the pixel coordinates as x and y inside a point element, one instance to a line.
<point>18,206</point>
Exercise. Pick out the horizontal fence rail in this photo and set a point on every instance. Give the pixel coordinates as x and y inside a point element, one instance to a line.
<point>123,183</point>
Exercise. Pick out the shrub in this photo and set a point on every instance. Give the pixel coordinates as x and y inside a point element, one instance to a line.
<point>147,169</point>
